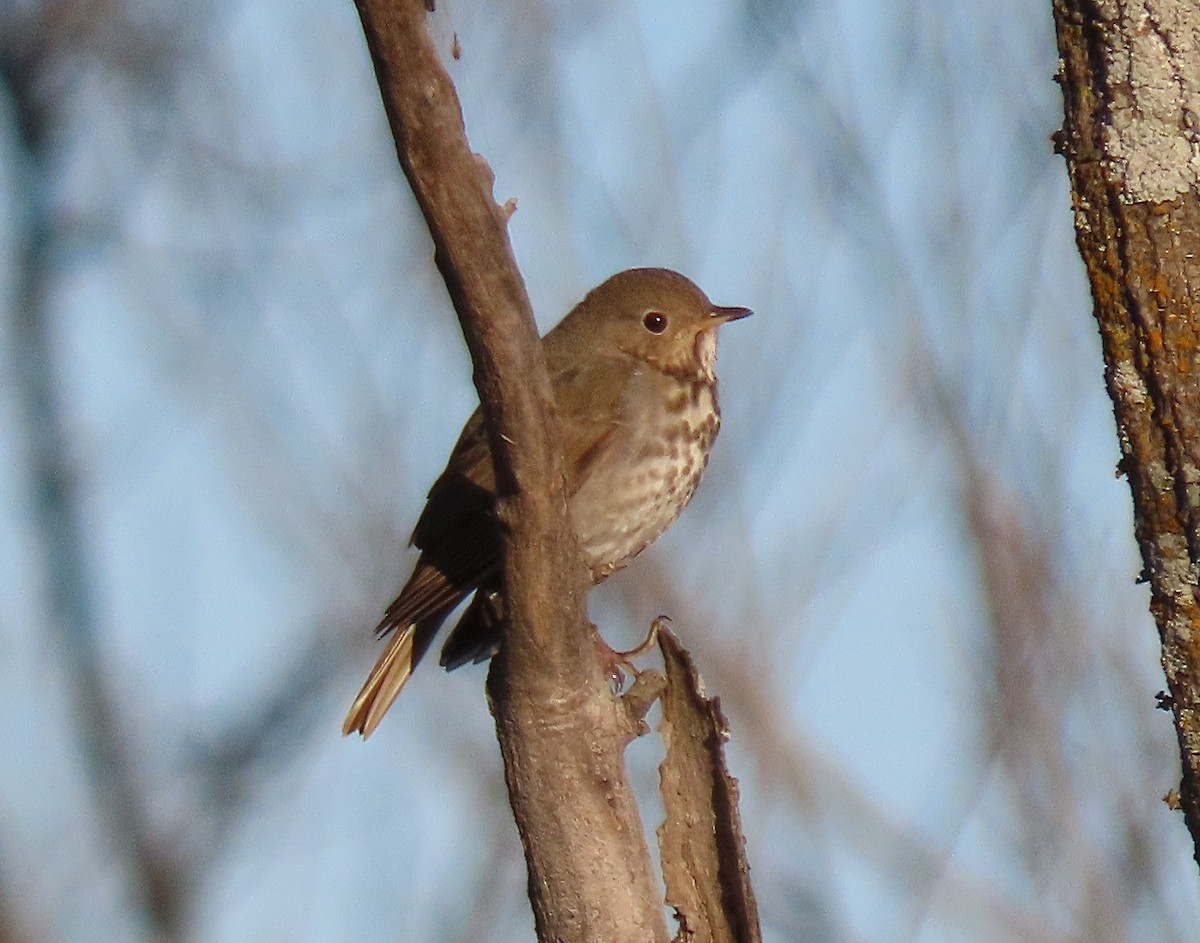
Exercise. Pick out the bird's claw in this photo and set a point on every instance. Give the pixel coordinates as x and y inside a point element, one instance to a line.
<point>616,663</point>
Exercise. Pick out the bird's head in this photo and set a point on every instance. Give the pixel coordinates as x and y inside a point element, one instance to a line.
<point>656,316</point>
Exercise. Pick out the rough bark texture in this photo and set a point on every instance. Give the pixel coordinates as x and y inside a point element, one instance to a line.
<point>561,731</point>
<point>1130,74</point>
<point>703,849</point>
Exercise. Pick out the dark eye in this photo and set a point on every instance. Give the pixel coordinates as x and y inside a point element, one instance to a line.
<point>655,322</point>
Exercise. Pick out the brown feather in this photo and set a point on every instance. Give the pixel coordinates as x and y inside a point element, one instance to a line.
<point>392,670</point>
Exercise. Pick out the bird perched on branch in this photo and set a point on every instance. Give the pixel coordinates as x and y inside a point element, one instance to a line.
<point>632,373</point>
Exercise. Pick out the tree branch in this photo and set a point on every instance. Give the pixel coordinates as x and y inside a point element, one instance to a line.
<point>561,732</point>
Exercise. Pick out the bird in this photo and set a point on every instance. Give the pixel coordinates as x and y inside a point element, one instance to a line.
<point>632,375</point>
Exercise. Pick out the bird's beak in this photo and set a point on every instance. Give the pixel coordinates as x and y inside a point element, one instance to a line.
<point>721,315</point>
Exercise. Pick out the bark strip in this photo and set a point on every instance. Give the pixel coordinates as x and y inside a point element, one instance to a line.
<point>703,849</point>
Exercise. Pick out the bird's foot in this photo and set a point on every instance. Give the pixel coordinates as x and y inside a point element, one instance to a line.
<point>616,663</point>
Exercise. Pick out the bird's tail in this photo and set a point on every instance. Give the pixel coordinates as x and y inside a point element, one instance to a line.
<point>391,672</point>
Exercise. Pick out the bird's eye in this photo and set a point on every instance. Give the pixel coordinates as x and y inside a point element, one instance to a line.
<point>655,322</point>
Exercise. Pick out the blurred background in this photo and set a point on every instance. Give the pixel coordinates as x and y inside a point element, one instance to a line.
<point>229,372</point>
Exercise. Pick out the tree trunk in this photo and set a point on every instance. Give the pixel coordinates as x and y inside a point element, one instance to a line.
<point>1130,75</point>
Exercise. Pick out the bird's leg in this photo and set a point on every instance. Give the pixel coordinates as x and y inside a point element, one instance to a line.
<point>613,661</point>
<point>647,643</point>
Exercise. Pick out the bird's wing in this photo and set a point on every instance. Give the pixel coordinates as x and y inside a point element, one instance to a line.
<point>465,490</point>
<point>590,402</point>
<point>457,533</point>
<point>460,548</point>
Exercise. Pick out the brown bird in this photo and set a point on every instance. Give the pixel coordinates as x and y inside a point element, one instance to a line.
<point>632,372</point>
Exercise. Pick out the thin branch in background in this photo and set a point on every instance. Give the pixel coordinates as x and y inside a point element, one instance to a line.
<point>60,527</point>
<point>11,928</point>
<point>226,765</point>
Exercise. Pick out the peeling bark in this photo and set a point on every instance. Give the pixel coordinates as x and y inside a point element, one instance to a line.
<point>703,849</point>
